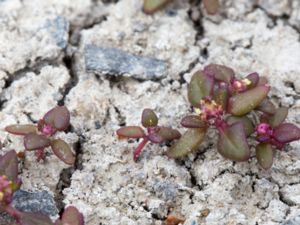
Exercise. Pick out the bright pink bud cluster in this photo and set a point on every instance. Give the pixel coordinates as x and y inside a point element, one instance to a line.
<point>209,109</point>
<point>6,190</point>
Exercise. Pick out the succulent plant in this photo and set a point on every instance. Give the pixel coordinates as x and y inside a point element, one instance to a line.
<point>154,133</point>
<point>40,136</point>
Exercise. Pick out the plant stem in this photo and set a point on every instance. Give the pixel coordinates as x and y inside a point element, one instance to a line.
<point>13,212</point>
<point>139,148</point>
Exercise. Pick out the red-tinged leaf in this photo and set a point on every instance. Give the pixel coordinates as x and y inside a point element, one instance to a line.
<point>246,121</point>
<point>264,118</point>
<point>63,151</point>
<point>233,144</point>
<point>149,118</point>
<point>287,132</point>
<point>174,220</point>
<point>9,165</point>
<point>219,72</point>
<point>254,78</point>
<point>243,103</point>
<point>262,81</point>
<point>264,155</point>
<point>35,141</point>
<point>162,134</point>
<point>58,117</point>
<point>71,216</point>
<point>151,6</point>
<point>21,129</point>
<point>188,142</point>
<point>130,132</point>
<point>221,94</point>
<point>211,6</point>
<point>267,106</point>
<point>279,116</point>
<point>201,85</point>
<point>193,122</point>
<point>28,218</point>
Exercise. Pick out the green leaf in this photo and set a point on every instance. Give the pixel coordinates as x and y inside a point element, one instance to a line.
<point>201,85</point>
<point>243,103</point>
<point>221,95</point>
<point>189,142</point>
<point>246,121</point>
<point>219,72</point>
<point>28,218</point>
<point>193,121</point>
<point>21,129</point>
<point>151,6</point>
<point>264,155</point>
<point>9,165</point>
<point>72,216</point>
<point>211,6</point>
<point>58,117</point>
<point>63,151</point>
<point>149,118</point>
<point>130,132</point>
<point>162,134</point>
<point>232,143</point>
<point>279,116</point>
<point>267,106</point>
<point>287,132</point>
<point>34,141</point>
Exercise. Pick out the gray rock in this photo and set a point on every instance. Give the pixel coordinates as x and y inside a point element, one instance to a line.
<point>294,221</point>
<point>41,202</point>
<point>59,28</point>
<point>117,62</point>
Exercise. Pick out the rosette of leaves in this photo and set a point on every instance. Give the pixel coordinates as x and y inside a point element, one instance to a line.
<point>40,136</point>
<point>152,132</point>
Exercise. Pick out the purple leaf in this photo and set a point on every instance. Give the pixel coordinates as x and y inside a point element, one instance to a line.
<point>9,165</point>
<point>262,81</point>
<point>232,143</point>
<point>279,116</point>
<point>264,155</point>
<point>189,142</point>
<point>219,72</point>
<point>21,129</point>
<point>63,151</point>
<point>246,121</point>
<point>130,132</point>
<point>72,216</point>
<point>201,85</point>
<point>149,118</point>
<point>58,117</point>
<point>266,106</point>
<point>243,103</point>
<point>162,134</point>
<point>211,6</point>
<point>286,132</point>
<point>254,78</point>
<point>193,122</point>
<point>221,94</point>
<point>151,6</point>
<point>35,141</point>
<point>28,218</point>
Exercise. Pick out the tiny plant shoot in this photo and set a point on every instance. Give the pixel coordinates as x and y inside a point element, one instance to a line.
<point>238,109</point>
<point>40,136</point>
<point>10,183</point>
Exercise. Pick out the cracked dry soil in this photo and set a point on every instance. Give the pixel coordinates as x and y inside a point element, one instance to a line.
<point>46,59</point>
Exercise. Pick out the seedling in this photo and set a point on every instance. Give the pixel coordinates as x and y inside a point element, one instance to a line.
<point>40,136</point>
<point>154,133</point>
<point>10,183</point>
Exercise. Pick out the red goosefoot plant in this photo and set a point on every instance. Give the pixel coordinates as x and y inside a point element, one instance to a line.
<point>10,183</point>
<point>40,136</point>
<point>151,6</point>
<point>237,109</point>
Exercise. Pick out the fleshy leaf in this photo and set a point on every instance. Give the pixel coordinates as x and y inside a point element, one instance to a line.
<point>9,165</point>
<point>130,132</point>
<point>35,141</point>
<point>219,72</point>
<point>72,216</point>
<point>243,103</point>
<point>28,218</point>
<point>262,81</point>
<point>201,85</point>
<point>58,117</point>
<point>232,143</point>
<point>63,151</point>
<point>149,118</point>
<point>246,121</point>
<point>254,78</point>
<point>188,142</point>
<point>21,129</point>
<point>279,116</point>
<point>267,106</point>
<point>164,134</point>
<point>287,132</point>
<point>264,155</point>
<point>193,121</point>
<point>221,94</point>
<point>151,6</point>
<point>211,6</point>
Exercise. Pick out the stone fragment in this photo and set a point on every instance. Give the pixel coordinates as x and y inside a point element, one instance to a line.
<point>58,29</point>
